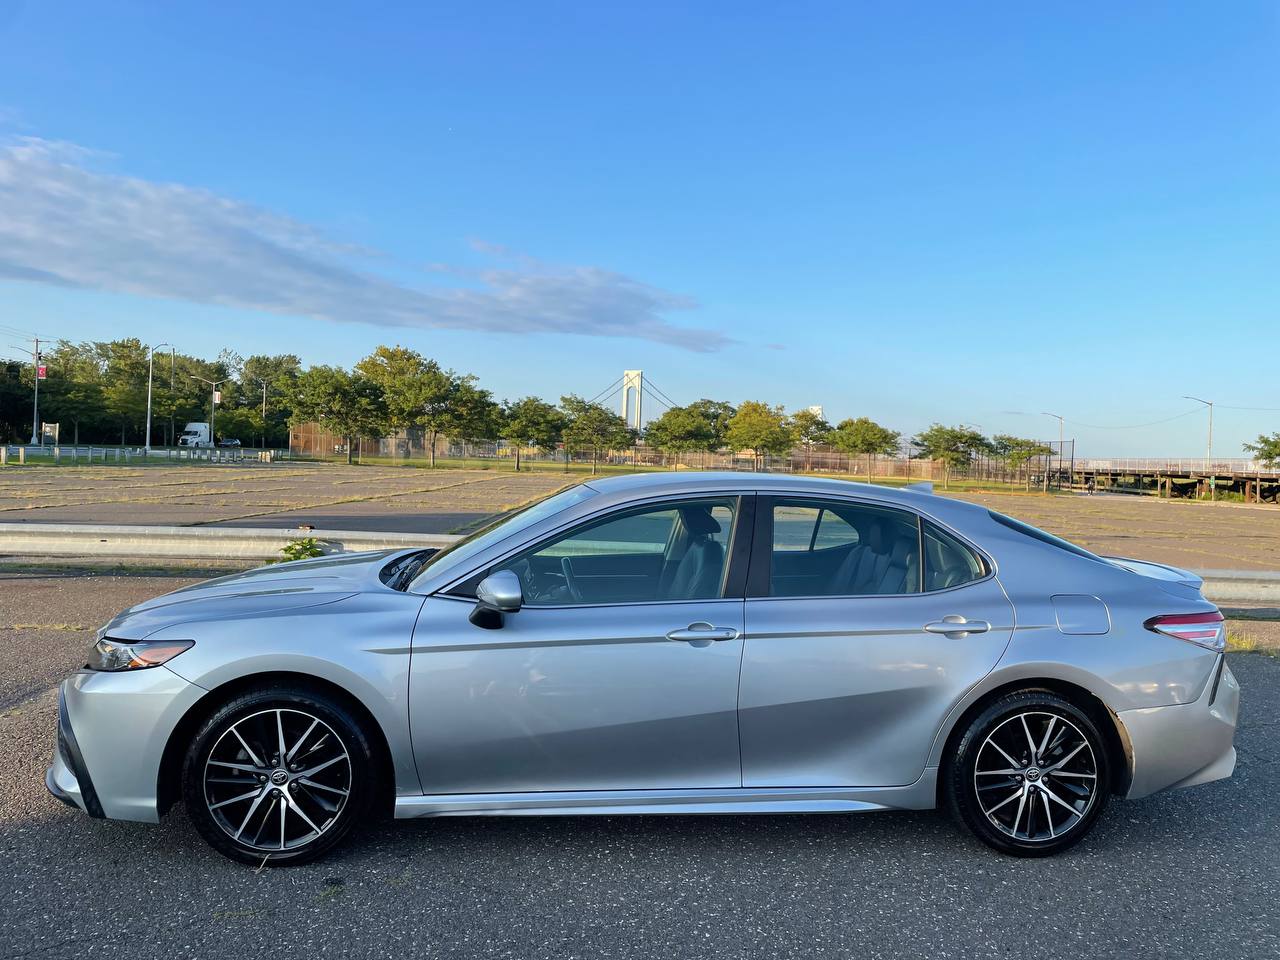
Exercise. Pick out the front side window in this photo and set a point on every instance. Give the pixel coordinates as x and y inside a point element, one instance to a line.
<point>667,552</point>
<point>833,549</point>
<point>457,554</point>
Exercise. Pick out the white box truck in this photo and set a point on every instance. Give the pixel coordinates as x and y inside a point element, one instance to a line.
<point>195,435</point>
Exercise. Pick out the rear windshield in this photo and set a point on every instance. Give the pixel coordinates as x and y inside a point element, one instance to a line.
<point>1035,533</point>
<point>458,553</point>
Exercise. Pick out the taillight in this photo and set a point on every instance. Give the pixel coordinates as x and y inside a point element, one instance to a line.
<point>1202,629</point>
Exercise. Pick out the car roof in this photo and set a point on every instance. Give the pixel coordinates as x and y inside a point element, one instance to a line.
<point>645,484</point>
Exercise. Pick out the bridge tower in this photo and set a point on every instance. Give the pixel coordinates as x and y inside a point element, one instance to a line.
<point>632,397</point>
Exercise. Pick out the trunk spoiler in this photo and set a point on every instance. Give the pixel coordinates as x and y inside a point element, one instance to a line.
<point>1158,571</point>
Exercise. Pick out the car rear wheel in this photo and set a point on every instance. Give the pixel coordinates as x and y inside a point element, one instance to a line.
<point>278,775</point>
<point>1030,775</point>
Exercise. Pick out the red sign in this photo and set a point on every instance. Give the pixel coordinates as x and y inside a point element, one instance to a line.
<point>42,371</point>
<point>217,396</point>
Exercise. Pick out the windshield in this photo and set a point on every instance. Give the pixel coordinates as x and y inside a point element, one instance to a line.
<point>472,544</point>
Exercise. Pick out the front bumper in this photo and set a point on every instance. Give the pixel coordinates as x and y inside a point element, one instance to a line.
<point>68,779</point>
<point>112,733</point>
<point>1184,744</point>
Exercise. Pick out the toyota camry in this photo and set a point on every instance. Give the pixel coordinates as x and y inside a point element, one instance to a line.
<point>681,643</point>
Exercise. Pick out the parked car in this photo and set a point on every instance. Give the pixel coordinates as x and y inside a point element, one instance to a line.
<point>700,643</point>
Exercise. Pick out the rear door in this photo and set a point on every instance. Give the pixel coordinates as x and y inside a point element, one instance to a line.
<point>847,682</point>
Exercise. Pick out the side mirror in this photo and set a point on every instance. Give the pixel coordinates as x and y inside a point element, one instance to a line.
<point>497,594</point>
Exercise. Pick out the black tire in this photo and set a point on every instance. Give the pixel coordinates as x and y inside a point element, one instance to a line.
<point>320,796</point>
<point>1036,808</point>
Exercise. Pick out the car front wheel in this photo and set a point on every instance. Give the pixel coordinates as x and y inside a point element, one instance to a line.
<point>278,775</point>
<point>1030,775</point>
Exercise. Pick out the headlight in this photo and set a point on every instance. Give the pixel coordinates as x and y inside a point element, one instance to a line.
<point>114,655</point>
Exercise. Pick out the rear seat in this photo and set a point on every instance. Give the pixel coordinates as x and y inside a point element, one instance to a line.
<point>877,566</point>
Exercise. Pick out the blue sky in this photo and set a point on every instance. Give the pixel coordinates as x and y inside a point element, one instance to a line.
<point>912,212</point>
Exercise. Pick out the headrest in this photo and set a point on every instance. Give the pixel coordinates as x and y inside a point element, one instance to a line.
<point>903,548</point>
<point>875,537</point>
<point>699,521</point>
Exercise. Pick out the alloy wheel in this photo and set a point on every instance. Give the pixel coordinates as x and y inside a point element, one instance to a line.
<point>277,779</point>
<point>1036,776</point>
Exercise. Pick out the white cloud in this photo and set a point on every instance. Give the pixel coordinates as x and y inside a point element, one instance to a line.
<point>63,222</point>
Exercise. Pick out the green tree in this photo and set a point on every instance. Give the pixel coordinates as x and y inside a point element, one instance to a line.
<point>415,389</point>
<point>864,437</point>
<point>809,429</point>
<point>349,405</point>
<point>593,426</point>
<point>1017,452</point>
<point>954,446</point>
<point>277,373</point>
<point>1266,448</point>
<point>124,393</point>
<point>760,428</point>
<point>717,414</point>
<point>531,422</point>
<point>475,414</point>
<point>73,392</point>
<point>681,430</point>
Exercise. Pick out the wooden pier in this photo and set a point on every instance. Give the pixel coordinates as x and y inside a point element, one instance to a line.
<point>1255,482</point>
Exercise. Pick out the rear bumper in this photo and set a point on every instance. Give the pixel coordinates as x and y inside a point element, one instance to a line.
<point>1185,744</point>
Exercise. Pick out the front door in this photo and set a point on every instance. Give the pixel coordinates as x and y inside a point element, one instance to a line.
<point>619,672</point>
<point>855,652</point>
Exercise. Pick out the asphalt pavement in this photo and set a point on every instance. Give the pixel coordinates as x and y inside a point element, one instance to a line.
<point>1193,873</point>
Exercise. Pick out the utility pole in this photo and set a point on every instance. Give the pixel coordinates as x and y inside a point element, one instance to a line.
<point>34,353</point>
<point>35,405</point>
<point>151,362</point>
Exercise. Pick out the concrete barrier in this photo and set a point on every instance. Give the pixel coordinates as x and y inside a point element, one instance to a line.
<point>190,543</point>
<point>254,543</point>
<point>1241,586</point>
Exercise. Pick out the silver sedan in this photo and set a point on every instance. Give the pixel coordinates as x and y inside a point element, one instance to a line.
<point>695,643</point>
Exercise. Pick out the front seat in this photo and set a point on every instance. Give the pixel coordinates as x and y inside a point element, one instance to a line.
<point>697,574</point>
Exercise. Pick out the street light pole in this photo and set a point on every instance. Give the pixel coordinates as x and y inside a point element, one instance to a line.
<point>1208,453</point>
<point>1061,439</point>
<point>213,392</point>
<point>263,444</point>
<point>1060,431</point>
<point>151,363</point>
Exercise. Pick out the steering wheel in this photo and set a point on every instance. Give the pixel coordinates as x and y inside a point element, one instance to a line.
<point>570,581</point>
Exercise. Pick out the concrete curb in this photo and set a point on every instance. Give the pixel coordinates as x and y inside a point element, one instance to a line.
<point>190,543</point>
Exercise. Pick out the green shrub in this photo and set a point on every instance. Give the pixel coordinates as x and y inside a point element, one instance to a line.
<point>303,548</point>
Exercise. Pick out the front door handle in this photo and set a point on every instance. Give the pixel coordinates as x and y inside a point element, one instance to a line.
<point>701,633</point>
<point>956,627</point>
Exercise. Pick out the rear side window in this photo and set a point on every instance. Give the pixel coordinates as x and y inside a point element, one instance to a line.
<point>947,561</point>
<point>828,549</point>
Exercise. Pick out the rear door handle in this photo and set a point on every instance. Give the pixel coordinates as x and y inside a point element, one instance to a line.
<point>956,627</point>
<point>701,633</point>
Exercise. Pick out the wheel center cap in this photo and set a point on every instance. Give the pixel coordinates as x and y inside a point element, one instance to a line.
<point>279,777</point>
<point>1033,774</point>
